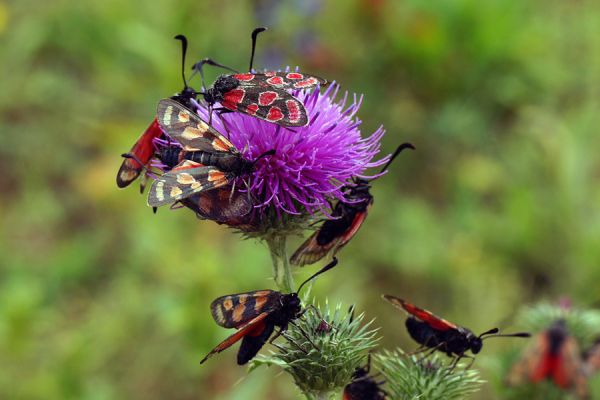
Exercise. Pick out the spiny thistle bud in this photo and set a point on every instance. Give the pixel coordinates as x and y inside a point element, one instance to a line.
<point>409,377</point>
<point>323,349</point>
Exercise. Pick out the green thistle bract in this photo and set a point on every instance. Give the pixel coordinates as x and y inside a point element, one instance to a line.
<point>322,351</point>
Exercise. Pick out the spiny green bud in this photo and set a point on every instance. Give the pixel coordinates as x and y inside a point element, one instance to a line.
<point>410,377</point>
<point>323,349</point>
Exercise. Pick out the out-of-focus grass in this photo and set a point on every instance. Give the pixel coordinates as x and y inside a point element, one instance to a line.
<point>100,299</point>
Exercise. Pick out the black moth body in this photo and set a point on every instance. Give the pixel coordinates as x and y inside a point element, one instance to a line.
<point>453,342</point>
<point>224,161</point>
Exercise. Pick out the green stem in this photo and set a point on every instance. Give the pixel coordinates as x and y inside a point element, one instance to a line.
<point>282,272</point>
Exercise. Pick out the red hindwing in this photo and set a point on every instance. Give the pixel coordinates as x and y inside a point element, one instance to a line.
<point>429,318</point>
<point>253,328</point>
<point>553,355</point>
<point>143,150</point>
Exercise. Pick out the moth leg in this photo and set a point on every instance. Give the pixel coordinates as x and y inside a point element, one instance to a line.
<point>305,335</point>
<point>292,341</point>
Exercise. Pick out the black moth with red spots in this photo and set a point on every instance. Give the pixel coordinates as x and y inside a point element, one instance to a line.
<point>347,219</point>
<point>262,95</point>
<point>255,315</point>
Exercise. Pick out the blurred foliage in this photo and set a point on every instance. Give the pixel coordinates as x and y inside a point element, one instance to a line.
<point>100,299</point>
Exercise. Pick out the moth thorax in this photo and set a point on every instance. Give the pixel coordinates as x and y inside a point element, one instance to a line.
<point>291,306</point>
<point>557,334</point>
<point>222,85</point>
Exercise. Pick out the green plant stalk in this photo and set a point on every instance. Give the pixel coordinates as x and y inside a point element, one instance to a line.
<point>319,396</point>
<point>282,273</point>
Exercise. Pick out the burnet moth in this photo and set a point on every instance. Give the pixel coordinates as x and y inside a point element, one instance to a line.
<point>208,159</point>
<point>142,151</point>
<point>262,95</point>
<point>364,386</point>
<point>435,333</point>
<point>553,355</point>
<point>347,219</point>
<point>592,358</point>
<point>255,315</point>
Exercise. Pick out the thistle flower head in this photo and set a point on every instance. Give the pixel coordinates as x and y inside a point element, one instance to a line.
<point>311,164</point>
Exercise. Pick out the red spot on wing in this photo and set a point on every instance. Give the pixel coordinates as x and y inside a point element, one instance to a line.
<point>251,109</point>
<point>274,114</point>
<point>267,98</point>
<point>306,83</point>
<point>293,110</point>
<point>270,73</point>
<point>275,81</point>
<point>234,96</point>
<point>244,77</point>
<point>294,75</point>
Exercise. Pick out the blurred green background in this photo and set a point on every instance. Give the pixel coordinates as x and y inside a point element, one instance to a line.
<point>498,207</point>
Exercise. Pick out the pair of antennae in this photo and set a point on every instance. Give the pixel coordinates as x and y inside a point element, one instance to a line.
<point>198,66</point>
<point>324,269</point>
<point>494,333</point>
<point>403,146</point>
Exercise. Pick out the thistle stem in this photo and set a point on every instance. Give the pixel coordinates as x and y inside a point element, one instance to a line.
<point>282,272</point>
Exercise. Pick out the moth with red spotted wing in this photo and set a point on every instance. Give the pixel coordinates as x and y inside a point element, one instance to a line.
<point>435,333</point>
<point>553,355</point>
<point>364,386</point>
<point>142,152</point>
<point>208,160</point>
<point>347,218</point>
<point>262,95</point>
<point>255,315</point>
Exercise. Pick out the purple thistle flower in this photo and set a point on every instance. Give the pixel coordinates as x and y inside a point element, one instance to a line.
<point>311,163</point>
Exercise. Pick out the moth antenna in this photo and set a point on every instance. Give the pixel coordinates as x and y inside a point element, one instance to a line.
<point>324,269</point>
<point>403,146</point>
<point>263,155</point>
<point>184,44</point>
<point>199,67</point>
<point>492,333</point>
<point>255,33</point>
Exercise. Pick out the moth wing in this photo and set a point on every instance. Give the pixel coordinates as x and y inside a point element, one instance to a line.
<point>254,341</point>
<point>220,205</point>
<point>270,104</point>
<point>428,317</point>
<point>143,150</point>
<point>184,180</point>
<point>569,371</point>
<point>235,310</point>
<point>311,251</point>
<point>530,367</point>
<point>191,131</point>
<point>252,325</point>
